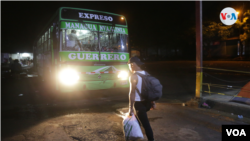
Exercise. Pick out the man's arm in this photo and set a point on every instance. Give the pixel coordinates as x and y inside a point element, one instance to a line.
<point>79,43</point>
<point>133,81</point>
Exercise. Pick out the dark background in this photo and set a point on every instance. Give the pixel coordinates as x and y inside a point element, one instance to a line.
<point>151,24</point>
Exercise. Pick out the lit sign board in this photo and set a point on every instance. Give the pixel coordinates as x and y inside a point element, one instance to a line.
<point>92,16</point>
<point>95,16</point>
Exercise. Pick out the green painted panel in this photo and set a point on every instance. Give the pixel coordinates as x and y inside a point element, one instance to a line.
<point>92,27</point>
<point>94,56</point>
<point>96,85</point>
<point>77,25</point>
<point>105,28</point>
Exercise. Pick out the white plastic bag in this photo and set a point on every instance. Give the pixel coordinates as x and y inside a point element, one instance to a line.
<point>132,129</point>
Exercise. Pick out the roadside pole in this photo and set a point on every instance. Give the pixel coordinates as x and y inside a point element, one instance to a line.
<point>196,101</point>
<point>198,89</point>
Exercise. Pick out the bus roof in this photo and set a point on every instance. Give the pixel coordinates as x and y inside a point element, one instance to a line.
<point>89,10</point>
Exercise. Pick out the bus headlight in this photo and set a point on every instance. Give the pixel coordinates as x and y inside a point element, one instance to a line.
<point>68,76</point>
<point>123,75</point>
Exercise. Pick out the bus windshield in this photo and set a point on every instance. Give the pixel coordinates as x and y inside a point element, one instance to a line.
<point>79,40</point>
<point>115,42</point>
<point>85,40</point>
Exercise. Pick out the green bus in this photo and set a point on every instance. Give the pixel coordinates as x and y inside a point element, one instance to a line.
<point>82,49</point>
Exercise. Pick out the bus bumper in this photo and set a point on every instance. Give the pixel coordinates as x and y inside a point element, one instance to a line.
<point>95,85</point>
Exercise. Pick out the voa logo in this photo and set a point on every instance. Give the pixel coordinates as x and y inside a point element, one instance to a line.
<point>228,16</point>
<point>236,132</point>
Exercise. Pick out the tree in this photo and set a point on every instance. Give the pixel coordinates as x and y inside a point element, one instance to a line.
<point>216,31</point>
<point>245,26</point>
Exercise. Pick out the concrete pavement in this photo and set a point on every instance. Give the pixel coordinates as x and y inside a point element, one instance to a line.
<point>223,103</point>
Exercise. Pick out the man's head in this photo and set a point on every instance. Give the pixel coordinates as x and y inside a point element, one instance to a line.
<point>73,31</point>
<point>134,63</point>
<point>16,61</point>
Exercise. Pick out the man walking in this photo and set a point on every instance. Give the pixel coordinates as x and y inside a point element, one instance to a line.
<point>73,42</point>
<point>136,102</point>
<point>16,68</point>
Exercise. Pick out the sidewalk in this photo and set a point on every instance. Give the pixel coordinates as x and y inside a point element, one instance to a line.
<point>222,103</point>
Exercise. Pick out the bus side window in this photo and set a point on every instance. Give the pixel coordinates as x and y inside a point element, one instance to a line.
<point>55,37</point>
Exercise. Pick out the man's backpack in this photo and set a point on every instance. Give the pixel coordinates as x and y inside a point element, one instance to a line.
<point>151,87</point>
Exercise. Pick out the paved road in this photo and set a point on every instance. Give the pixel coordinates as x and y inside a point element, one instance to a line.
<point>97,119</point>
<point>37,115</point>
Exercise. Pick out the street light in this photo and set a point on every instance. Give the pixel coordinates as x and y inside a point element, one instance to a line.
<point>237,13</point>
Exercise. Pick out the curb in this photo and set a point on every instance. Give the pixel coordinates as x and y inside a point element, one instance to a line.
<point>225,107</point>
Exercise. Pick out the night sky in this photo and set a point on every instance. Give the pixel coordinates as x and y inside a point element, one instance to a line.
<point>149,23</point>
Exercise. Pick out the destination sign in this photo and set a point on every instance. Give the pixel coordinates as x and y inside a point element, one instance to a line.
<point>92,16</point>
<point>93,27</point>
<point>95,16</point>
